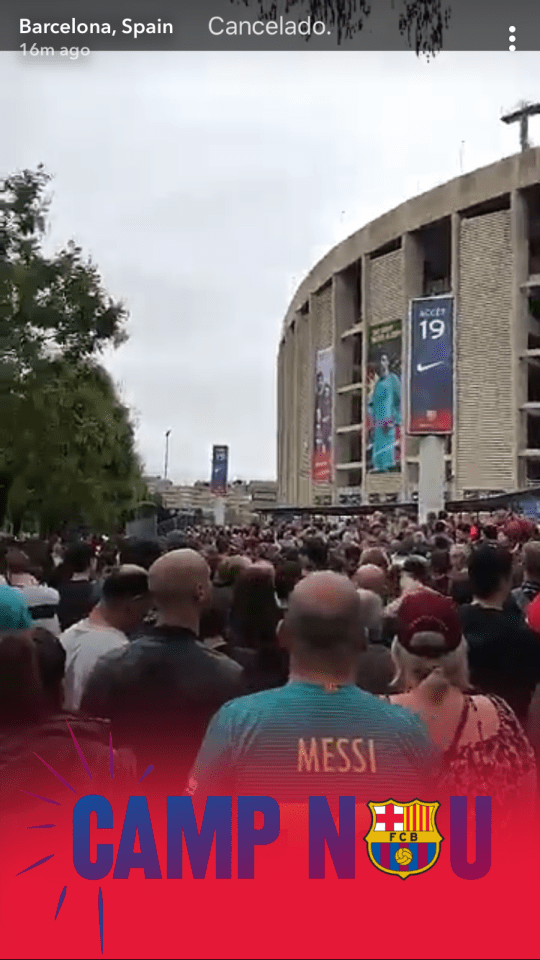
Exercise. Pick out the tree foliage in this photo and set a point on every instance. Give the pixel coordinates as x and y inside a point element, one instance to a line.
<point>75,454</point>
<point>50,306</point>
<point>423,22</point>
<point>67,449</point>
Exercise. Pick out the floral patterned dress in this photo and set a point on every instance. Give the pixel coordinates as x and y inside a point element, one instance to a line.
<point>497,766</point>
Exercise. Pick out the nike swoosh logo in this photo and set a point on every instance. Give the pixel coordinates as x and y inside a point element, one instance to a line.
<point>422,367</point>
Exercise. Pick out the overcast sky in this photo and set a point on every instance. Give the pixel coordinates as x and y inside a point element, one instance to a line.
<point>205,186</point>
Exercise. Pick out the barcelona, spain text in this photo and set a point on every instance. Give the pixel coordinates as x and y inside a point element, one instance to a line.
<point>73,26</point>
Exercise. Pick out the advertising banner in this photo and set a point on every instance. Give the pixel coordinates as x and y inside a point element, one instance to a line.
<point>482,494</point>
<point>383,422</point>
<point>220,465</point>
<point>323,416</point>
<point>431,366</point>
<point>530,508</point>
<point>349,496</point>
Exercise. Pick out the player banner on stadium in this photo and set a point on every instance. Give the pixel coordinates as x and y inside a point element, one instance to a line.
<point>383,422</point>
<point>220,465</point>
<point>323,416</point>
<point>431,366</point>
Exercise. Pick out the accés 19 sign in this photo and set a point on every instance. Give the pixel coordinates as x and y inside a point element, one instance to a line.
<point>431,366</point>
<point>220,461</point>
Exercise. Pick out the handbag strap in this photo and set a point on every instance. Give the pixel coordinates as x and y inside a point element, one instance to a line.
<point>449,754</point>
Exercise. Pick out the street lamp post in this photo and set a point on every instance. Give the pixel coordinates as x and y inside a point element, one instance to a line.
<point>167,435</point>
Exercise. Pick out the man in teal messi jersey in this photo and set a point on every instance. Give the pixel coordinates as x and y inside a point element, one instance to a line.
<point>385,409</point>
<point>320,734</point>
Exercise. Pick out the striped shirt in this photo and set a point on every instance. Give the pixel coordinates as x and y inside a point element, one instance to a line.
<point>302,740</point>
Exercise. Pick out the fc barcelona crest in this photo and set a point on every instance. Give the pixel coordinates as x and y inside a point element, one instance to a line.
<point>403,838</point>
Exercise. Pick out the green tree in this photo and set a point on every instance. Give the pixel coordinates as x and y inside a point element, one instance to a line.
<point>50,306</point>
<point>67,446</point>
<point>422,21</point>
<point>75,456</point>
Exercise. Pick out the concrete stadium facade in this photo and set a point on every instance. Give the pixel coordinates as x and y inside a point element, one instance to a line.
<point>476,238</point>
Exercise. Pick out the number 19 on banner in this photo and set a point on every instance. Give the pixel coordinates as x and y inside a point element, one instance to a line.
<point>431,366</point>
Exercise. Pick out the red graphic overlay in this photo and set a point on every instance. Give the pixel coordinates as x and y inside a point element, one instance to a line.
<point>48,911</point>
<point>261,918</point>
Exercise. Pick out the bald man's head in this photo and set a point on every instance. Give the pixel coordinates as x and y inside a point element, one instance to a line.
<point>324,591</point>
<point>323,626</point>
<point>371,577</point>
<point>180,578</point>
<point>376,556</point>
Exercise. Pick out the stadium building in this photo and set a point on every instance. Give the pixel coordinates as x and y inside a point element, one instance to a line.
<point>473,242</point>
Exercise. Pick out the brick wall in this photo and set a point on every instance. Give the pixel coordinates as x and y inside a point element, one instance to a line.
<point>289,415</point>
<point>321,318</point>
<point>280,418</point>
<point>484,437</point>
<point>304,407</point>
<point>385,302</point>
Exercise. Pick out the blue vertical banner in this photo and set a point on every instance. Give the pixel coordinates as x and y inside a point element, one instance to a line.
<point>220,466</point>
<point>431,366</point>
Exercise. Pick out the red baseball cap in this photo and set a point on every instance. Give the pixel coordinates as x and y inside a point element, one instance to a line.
<point>425,611</point>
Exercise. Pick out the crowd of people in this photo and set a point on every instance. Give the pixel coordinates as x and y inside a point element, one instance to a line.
<point>372,656</point>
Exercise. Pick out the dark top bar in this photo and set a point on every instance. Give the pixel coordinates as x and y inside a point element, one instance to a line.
<point>226,25</point>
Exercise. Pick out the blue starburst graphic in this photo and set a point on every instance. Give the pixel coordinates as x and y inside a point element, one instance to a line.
<point>49,826</point>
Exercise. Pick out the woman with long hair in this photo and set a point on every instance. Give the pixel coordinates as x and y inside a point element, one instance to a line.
<point>255,615</point>
<point>33,725</point>
<point>484,749</point>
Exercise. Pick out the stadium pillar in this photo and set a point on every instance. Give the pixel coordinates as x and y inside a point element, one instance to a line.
<point>219,512</point>
<point>431,478</point>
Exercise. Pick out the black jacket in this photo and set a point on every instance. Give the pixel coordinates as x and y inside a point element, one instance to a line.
<point>77,599</point>
<point>222,597</point>
<point>504,655</point>
<point>159,693</point>
<point>264,669</point>
<point>525,594</point>
<point>22,774</point>
<point>375,670</point>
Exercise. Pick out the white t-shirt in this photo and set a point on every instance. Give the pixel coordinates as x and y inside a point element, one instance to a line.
<point>84,644</point>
